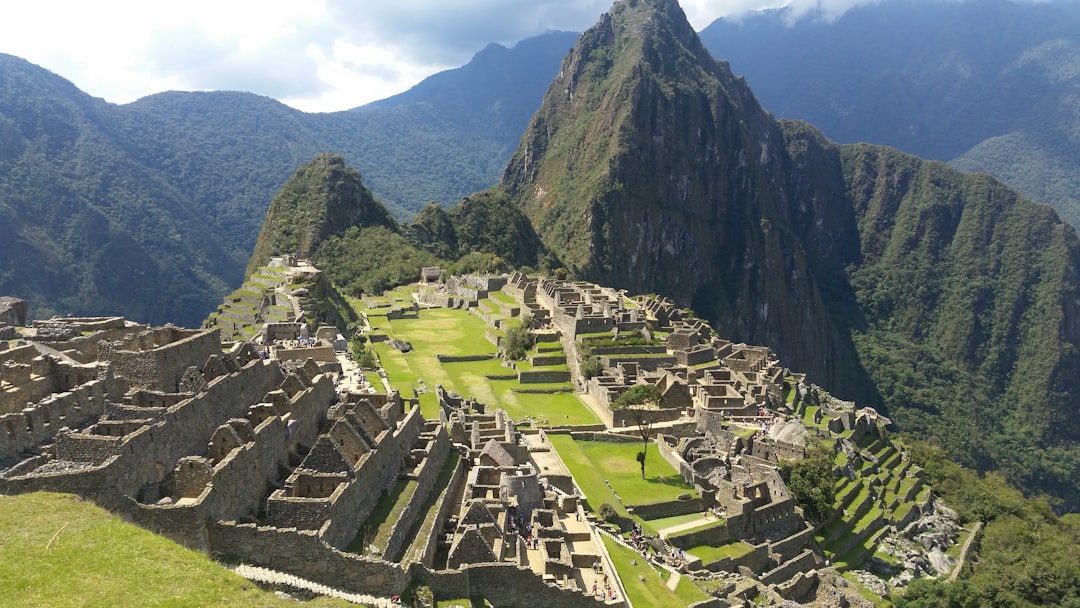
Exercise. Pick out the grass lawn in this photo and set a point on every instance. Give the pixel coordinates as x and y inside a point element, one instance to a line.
<point>689,592</point>
<point>653,590</point>
<point>458,333</point>
<point>502,297</point>
<point>60,551</point>
<point>705,525</point>
<point>709,554</point>
<point>592,462</point>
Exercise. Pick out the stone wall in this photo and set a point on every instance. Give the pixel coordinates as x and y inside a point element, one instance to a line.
<point>39,423</point>
<point>437,451</point>
<point>318,353</point>
<point>669,508</point>
<point>502,585</point>
<point>543,377</point>
<point>717,535</point>
<point>303,554</point>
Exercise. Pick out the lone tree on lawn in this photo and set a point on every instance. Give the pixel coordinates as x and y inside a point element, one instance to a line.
<point>637,401</point>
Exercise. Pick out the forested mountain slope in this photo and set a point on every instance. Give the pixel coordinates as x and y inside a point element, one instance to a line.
<point>651,167</point>
<point>987,85</point>
<point>151,209</point>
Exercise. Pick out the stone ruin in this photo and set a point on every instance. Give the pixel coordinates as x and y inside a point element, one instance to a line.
<point>260,459</point>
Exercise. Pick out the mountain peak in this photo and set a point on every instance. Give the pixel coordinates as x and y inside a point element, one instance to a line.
<point>645,165</point>
<point>323,198</point>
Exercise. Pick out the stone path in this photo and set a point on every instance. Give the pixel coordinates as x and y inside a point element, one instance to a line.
<point>964,551</point>
<point>673,580</point>
<point>273,577</point>
<point>666,532</point>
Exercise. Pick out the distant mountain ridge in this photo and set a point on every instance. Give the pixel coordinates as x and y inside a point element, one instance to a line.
<point>986,85</point>
<point>151,209</point>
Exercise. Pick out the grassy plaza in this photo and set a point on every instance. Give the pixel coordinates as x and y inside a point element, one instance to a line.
<point>453,332</point>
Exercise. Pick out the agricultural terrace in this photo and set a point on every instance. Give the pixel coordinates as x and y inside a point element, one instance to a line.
<point>592,463</point>
<point>455,332</point>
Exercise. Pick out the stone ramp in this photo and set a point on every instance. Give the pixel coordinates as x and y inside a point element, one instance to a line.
<point>273,577</point>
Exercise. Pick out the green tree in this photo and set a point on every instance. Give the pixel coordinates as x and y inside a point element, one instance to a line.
<point>517,342</point>
<point>811,481</point>
<point>637,401</point>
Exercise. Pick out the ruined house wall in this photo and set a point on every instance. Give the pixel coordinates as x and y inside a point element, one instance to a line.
<point>39,423</point>
<point>438,450</point>
<point>145,456</point>
<point>378,472</point>
<point>670,453</point>
<point>446,505</point>
<point>160,368</point>
<point>804,562</point>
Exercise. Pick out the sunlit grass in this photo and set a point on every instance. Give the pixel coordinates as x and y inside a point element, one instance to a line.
<point>60,551</point>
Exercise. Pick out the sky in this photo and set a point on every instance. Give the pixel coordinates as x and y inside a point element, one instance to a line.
<point>313,55</point>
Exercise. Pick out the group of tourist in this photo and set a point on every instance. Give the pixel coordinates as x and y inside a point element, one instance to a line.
<point>604,589</point>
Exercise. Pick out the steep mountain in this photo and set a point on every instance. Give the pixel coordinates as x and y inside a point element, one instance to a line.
<point>151,209</point>
<point>86,227</point>
<point>323,198</point>
<point>651,167</point>
<point>326,212</point>
<point>487,222</point>
<point>987,85</point>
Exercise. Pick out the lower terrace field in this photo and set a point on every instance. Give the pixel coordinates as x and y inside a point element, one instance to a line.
<point>453,332</point>
<point>594,462</point>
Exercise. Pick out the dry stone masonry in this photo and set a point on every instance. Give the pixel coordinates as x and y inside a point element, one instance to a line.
<point>257,438</point>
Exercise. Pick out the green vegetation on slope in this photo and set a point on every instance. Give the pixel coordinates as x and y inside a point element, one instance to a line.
<point>1026,555</point>
<point>967,292</point>
<point>60,551</point>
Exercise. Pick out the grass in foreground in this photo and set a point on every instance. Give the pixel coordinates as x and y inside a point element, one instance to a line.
<point>61,551</point>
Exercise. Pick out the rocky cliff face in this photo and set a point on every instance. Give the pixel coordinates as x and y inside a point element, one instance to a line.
<point>651,167</point>
<point>948,299</point>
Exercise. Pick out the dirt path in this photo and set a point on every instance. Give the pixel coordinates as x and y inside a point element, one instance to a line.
<point>666,532</point>
<point>964,551</point>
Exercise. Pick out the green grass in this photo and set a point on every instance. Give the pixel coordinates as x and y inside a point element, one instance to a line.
<point>709,554</point>
<point>59,551</point>
<point>689,592</point>
<point>458,333</point>
<point>376,530</point>
<point>716,523</point>
<point>503,297</point>
<point>591,462</point>
<point>653,590</point>
<point>422,529</point>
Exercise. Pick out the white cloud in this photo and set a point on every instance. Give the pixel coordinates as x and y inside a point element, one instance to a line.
<point>316,55</point>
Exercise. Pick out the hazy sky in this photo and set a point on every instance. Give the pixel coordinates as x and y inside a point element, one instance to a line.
<point>315,55</point>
